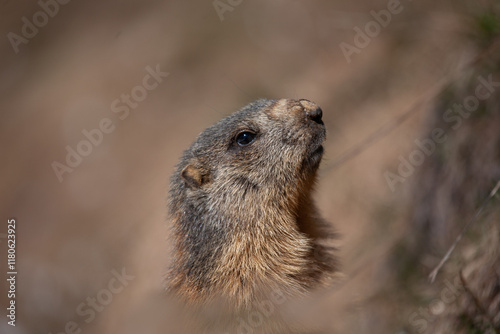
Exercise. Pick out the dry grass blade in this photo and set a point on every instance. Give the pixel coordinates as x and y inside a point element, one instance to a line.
<point>433,274</point>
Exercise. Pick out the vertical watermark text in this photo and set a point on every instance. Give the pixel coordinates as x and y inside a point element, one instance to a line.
<point>11,271</point>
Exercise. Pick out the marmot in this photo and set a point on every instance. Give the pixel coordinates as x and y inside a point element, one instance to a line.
<point>244,224</point>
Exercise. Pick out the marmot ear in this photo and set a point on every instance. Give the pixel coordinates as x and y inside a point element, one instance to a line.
<point>193,176</point>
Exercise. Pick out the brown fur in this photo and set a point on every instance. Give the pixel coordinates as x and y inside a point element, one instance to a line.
<point>244,224</point>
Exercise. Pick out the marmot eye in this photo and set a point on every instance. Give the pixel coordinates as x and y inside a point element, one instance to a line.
<point>245,138</point>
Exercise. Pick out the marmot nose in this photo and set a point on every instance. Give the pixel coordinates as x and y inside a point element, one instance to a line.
<point>313,111</point>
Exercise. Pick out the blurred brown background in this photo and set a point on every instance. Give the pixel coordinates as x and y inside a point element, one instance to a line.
<point>109,212</point>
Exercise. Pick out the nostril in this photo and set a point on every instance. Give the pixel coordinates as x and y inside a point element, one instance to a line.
<point>313,111</point>
<point>315,115</point>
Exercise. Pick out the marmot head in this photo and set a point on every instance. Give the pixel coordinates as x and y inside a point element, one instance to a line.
<point>238,193</point>
<point>266,143</point>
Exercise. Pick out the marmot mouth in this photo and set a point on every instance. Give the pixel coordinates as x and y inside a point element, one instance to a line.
<point>318,151</point>
<point>315,157</point>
